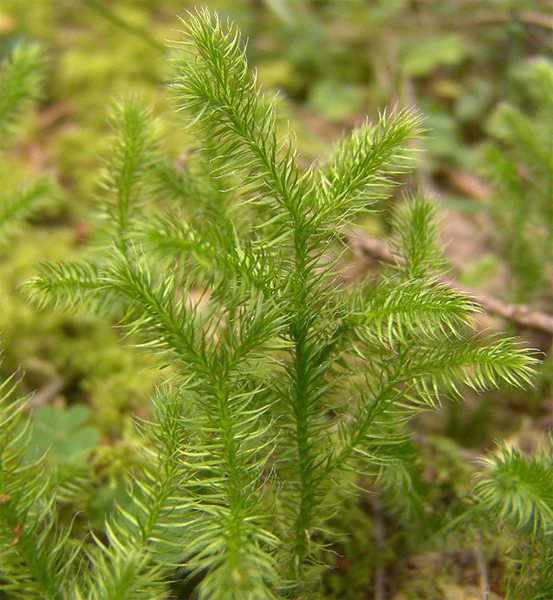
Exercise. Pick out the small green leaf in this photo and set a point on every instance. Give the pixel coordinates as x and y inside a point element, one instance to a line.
<point>61,420</point>
<point>58,433</point>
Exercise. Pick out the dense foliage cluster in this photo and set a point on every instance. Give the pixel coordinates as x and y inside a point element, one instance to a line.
<point>287,379</point>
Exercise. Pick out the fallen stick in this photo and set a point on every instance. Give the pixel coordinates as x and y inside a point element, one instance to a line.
<point>363,245</point>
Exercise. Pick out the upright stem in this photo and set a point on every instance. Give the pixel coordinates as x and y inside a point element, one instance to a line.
<point>300,331</point>
<point>302,439</point>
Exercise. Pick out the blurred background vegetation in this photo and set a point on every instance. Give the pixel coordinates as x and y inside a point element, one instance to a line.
<point>468,65</point>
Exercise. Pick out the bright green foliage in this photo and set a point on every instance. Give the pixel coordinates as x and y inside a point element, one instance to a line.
<point>37,557</point>
<point>126,179</point>
<point>520,165</point>
<point>17,205</point>
<point>21,82</point>
<point>21,76</point>
<point>517,492</point>
<point>286,380</point>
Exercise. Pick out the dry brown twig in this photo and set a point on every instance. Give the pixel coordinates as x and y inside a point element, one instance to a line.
<point>366,247</point>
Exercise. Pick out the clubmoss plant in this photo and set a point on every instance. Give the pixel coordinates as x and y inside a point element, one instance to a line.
<point>519,163</point>
<point>516,492</point>
<point>286,379</point>
<point>21,79</point>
